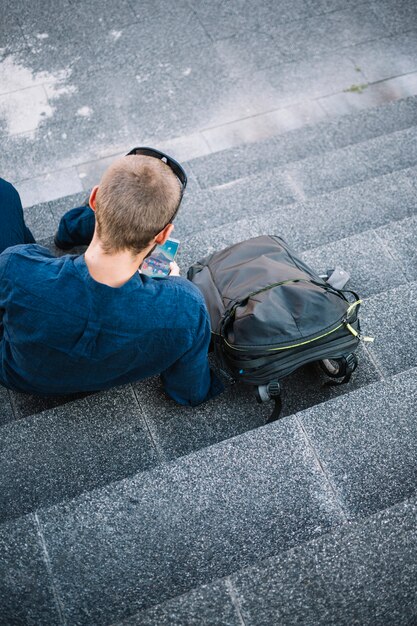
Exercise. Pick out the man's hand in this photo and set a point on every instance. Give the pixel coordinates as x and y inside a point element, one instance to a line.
<point>174,269</point>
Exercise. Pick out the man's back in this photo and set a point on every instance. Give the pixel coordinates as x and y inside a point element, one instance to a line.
<point>64,332</point>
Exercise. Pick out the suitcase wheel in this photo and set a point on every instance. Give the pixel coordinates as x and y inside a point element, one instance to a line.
<point>264,393</point>
<point>337,368</point>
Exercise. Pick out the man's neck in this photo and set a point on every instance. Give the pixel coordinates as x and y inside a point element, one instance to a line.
<point>113,270</point>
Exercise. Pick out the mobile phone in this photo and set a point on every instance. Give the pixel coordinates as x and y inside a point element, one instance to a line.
<point>157,264</point>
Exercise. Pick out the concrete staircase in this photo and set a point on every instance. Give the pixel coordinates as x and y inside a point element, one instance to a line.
<point>123,508</point>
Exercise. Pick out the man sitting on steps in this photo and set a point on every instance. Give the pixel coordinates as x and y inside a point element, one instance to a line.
<point>89,322</point>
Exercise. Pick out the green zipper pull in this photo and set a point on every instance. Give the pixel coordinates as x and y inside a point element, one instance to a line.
<point>350,328</point>
<point>358,335</point>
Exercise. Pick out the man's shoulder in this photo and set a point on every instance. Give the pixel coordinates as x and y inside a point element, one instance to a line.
<point>26,250</point>
<point>18,255</point>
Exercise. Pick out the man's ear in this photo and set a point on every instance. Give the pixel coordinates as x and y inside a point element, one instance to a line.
<point>92,201</point>
<point>165,234</point>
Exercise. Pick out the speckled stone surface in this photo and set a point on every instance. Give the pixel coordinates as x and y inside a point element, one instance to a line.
<point>327,215</point>
<point>400,240</point>
<point>411,178</point>
<point>65,451</point>
<point>262,126</point>
<point>11,161</point>
<point>49,186</point>
<point>398,18</point>
<point>26,404</point>
<point>40,221</point>
<point>367,443</point>
<point>391,318</point>
<point>340,188</point>
<point>227,204</point>
<point>356,163</point>
<point>197,67</point>
<point>370,96</point>
<point>370,264</point>
<point>209,604</point>
<point>390,56</point>
<point>62,205</point>
<point>223,20</point>
<point>307,386</point>
<point>26,592</point>
<point>200,210</point>
<point>319,7</point>
<point>241,161</point>
<point>244,160</point>
<point>316,75</point>
<point>327,32</point>
<point>6,410</point>
<point>363,574</point>
<point>164,532</point>
<point>179,430</point>
<point>338,214</point>
<point>11,34</point>
<point>257,195</point>
<point>306,225</point>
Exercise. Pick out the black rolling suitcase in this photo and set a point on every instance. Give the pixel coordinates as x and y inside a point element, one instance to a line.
<point>271,313</point>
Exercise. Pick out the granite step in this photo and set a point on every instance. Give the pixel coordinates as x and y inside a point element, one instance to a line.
<point>276,190</point>
<point>162,533</point>
<point>344,577</point>
<point>299,181</point>
<point>116,502</point>
<point>314,139</point>
<point>362,574</point>
<point>65,450</point>
<point>309,223</point>
<point>196,473</point>
<point>354,197</point>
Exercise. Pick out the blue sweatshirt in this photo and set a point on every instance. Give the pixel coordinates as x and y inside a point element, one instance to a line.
<point>63,332</point>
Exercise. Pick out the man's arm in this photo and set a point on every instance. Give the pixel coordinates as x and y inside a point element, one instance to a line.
<point>4,287</point>
<point>189,380</point>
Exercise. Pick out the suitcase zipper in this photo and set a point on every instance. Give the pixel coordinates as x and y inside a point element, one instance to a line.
<point>344,323</point>
<point>285,368</point>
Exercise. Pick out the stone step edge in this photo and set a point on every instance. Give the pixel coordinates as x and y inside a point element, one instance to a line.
<point>195,454</point>
<point>270,214</point>
<point>326,123</point>
<point>350,527</point>
<point>366,231</point>
<point>351,144</point>
<point>79,197</point>
<point>283,169</point>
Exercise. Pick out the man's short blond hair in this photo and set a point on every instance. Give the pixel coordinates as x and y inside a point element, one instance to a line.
<point>136,199</point>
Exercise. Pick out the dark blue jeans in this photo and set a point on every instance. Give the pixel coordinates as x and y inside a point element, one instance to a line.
<point>13,230</point>
<point>76,228</point>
